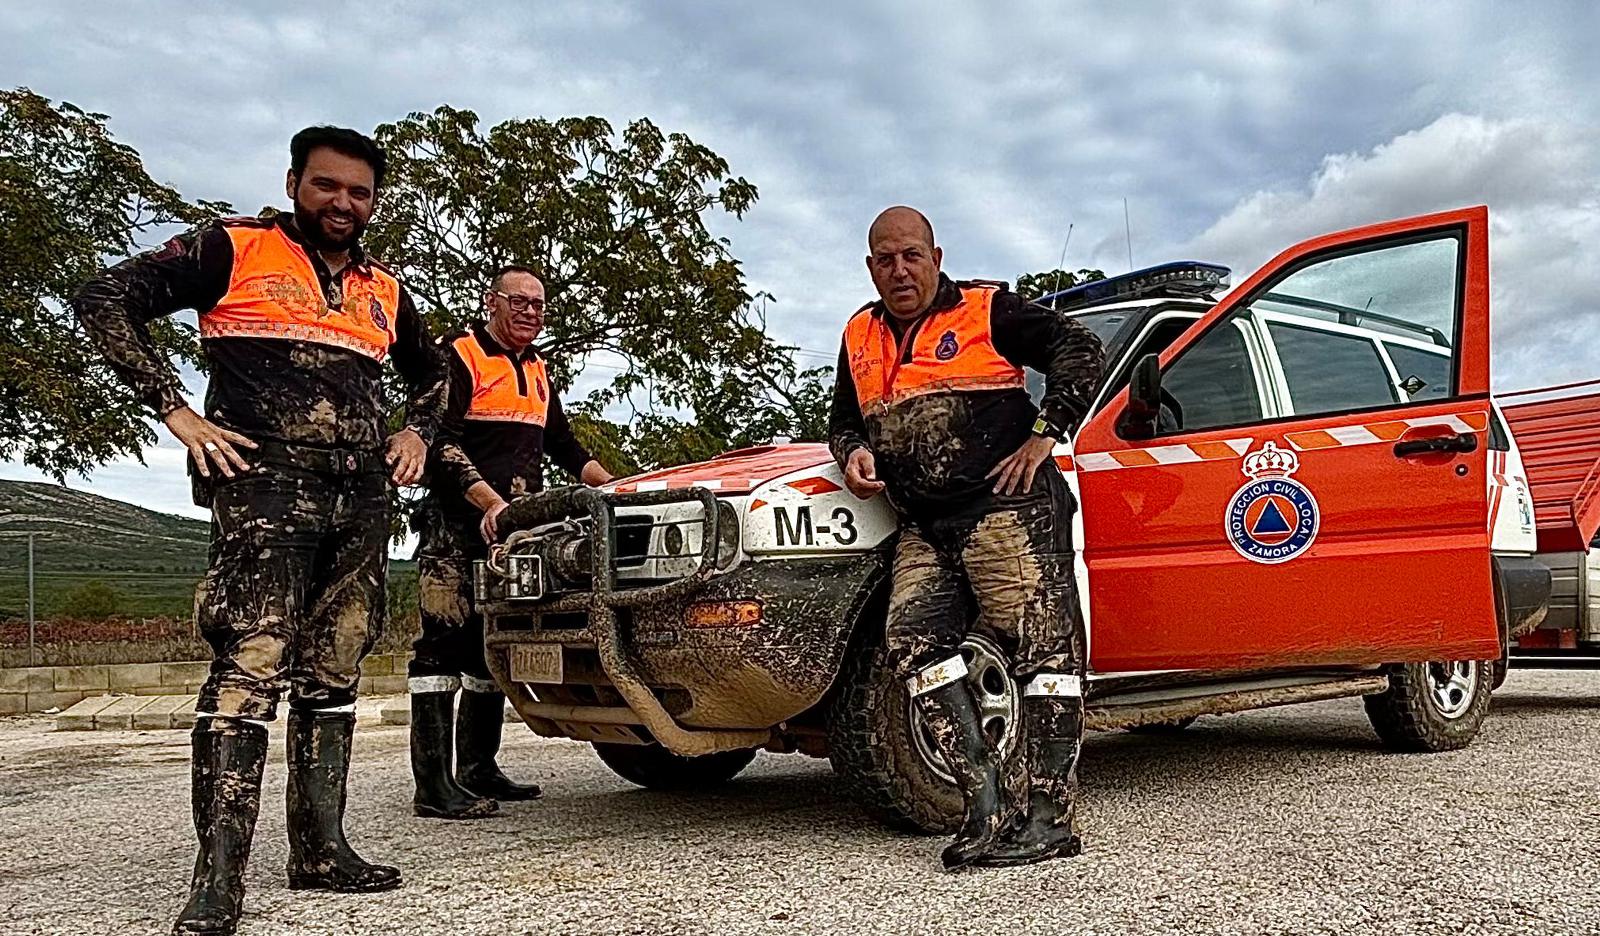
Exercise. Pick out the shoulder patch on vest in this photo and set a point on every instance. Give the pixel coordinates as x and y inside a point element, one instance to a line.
<point>1001,285</point>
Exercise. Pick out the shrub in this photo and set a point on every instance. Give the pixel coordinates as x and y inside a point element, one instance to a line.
<point>92,601</point>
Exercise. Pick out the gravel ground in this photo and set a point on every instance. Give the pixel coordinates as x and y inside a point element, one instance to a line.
<point>1287,821</point>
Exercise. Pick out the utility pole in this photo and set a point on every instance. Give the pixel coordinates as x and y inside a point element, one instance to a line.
<point>31,625</point>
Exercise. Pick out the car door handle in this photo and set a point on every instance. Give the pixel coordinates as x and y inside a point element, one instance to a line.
<point>1462,442</point>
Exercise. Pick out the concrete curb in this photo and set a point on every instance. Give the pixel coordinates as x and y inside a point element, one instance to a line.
<point>159,712</point>
<point>42,688</point>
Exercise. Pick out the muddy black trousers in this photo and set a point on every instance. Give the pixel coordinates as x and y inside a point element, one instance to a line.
<point>1005,568</point>
<point>295,594</point>
<point>450,645</point>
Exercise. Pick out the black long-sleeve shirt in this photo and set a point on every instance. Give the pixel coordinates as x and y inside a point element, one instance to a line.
<point>934,450</point>
<point>508,456</point>
<point>274,389</point>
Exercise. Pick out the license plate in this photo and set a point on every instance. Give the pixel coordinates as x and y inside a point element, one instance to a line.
<point>536,663</point>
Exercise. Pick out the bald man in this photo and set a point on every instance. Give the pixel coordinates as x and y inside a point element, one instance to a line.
<point>930,408</point>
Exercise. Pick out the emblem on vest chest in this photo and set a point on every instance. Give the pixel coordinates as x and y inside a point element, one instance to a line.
<point>375,309</point>
<point>948,346</point>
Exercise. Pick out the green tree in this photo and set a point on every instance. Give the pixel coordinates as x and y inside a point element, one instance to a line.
<point>1034,285</point>
<point>616,225</point>
<point>71,197</point>
<point>92,601</point>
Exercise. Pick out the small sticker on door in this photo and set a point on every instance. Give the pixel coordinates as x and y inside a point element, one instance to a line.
<point>1272,518</point>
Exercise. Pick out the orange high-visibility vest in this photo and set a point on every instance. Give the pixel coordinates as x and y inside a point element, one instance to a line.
<point>497,394</point>
<point>951,351</point>
<point>274,293</point>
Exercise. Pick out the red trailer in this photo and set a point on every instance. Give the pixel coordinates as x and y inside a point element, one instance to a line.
<point>1557,430</point>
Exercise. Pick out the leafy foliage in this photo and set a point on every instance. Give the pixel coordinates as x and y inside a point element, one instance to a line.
<point>71,196</point>
<point>92,601</point>
<point>616,225</point>
<point>1035,285</point>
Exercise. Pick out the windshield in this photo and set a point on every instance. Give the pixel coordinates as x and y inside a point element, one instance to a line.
<point>1105,325</point>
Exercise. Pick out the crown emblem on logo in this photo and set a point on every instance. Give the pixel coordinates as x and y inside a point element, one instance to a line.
<point>1271,461</point>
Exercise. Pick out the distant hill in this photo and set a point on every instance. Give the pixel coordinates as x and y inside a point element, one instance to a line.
<point>151,560</point>
<point>82,532</point>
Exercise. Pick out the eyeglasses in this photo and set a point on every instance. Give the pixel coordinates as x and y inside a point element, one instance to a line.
<point>520,303</point>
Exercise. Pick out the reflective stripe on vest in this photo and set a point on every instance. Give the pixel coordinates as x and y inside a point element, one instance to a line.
<point>496,396</point>
<point>274,293</point>
<point>951,351</point>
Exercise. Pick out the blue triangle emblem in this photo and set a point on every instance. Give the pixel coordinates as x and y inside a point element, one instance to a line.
<point>1271,521</point>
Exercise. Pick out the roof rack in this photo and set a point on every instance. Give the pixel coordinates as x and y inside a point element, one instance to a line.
<point>1187,278</point>
<point>1349,315</point>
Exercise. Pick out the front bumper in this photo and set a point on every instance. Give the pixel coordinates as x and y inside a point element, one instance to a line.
<point>627,664</point>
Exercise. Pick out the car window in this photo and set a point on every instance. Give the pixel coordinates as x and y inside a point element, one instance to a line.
<point>1313,313</point>
<point>1214,383</point>
<point>1424,375</point>
<point>1157,335</point>
<point>1328,372</point>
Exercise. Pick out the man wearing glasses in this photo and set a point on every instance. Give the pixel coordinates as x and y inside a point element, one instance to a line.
<point>503,416</point>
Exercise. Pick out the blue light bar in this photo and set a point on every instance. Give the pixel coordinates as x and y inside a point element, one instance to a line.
<point>1181,278</point>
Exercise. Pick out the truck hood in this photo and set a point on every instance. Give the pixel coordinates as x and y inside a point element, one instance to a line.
<point>737,472</point>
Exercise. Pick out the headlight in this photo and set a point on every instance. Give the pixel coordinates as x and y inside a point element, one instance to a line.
<point>672,539</point>
<point>727,534</point>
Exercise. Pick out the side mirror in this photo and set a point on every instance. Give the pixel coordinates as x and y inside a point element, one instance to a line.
<point>1141,419</point>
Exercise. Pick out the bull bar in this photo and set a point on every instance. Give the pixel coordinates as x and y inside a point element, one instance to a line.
<point>600,605</point>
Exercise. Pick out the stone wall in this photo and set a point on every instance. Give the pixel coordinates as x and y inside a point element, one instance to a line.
<point>42,688</point>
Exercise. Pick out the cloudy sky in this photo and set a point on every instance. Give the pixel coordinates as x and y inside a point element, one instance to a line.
<point>1232,129</point>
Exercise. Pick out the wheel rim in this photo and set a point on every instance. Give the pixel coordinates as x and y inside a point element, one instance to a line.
<point>1453,685</point>
<point>998,705</point>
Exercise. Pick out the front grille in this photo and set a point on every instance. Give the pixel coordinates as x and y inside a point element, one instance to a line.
<point>633,541</point>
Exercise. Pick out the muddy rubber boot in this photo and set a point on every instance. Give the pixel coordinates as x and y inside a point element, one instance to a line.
<point>438,795</point>
<point>953,718</point>
<point>319,764</point>
<point>229,757</point>
<point>1054,738</point>
<point>480,718</point>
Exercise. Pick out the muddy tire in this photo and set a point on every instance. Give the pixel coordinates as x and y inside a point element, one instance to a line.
<point>874,747</point>
<point>1431,707</point>
<point>1163,728</point>
<point>870,747</point>
<point>1502,667</point>
<point>656,768</point>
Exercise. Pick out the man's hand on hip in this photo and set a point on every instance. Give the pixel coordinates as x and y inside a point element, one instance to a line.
<point>207,442</point>
<point>1017,470</point>
<point>406,454</point>
<point>487,526</point>
<point>861,474</point>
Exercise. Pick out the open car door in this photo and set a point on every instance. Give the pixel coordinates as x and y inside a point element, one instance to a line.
<point>1285,506</point>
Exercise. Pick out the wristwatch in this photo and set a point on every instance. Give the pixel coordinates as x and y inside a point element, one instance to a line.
<point>1044,427</point>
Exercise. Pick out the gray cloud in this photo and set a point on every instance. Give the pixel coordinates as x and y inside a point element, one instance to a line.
<point>1004,122</point>
<point>1541,181</point>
